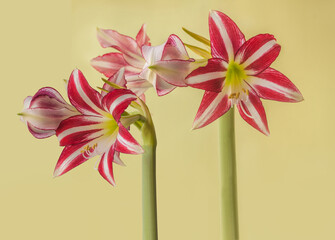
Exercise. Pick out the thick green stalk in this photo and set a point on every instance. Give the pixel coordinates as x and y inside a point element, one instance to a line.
<point>229,214</point>
<point>149,202</point>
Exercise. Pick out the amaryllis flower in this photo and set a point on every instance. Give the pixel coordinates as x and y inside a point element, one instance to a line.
<point>239,73</point>
<point>44,111</point>
<point>98,131</point>
<point>164,67</point>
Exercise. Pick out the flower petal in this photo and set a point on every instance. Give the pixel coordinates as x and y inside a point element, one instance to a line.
<point>48,97</point>
<point>174,49</point>
<point>72,156</point>
<point>142,37</point>
<point>163,87</point>
<point>118,160</point>
<point>210,77</point>
<point>106,166</point>
<point>79,129</point>
<point>213,106</point>
<point>273,85</point>
<point>82,96</point>
<point>40,133</point>
<point>258,53</point>
<point>117,101</point>
<point>252,111</point>
<point>152,54</point>
<point>108,64</point>
<point>126,45</point>
<point>126,143</point>
<point>118,78</point>
<point>226,37</point>
<point>137,84</point>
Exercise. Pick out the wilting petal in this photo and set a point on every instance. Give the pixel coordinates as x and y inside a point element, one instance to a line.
<point>72,156</point>
<point>108,64</point>
<point>106,166</point>
<point>142,37</point>
<point>117,101</point>
<point>40,133</point>
<point>174,49</point>
<point>127,45</point>
<point>226,37</point>
<point>273,85</point>
<point>258,53</point>
<point>79,129</point>
<point>82,96</point>
<point>213,106</point>
<point>118,78</point>
<point>163,87</point>
<point>252,111</point>
<point>126,143</point>
<point>210,77</point>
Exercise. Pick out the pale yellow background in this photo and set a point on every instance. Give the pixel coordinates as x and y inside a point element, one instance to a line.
<point>286,182</point>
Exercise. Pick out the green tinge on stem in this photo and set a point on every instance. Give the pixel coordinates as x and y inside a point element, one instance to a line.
<point>229,213</point>
<point>149,201</point>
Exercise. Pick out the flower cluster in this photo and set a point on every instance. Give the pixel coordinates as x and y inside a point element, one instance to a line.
<point>235,71</point>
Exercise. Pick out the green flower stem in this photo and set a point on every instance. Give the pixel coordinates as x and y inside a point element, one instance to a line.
<point>229,214</point>
<point>149,202</point>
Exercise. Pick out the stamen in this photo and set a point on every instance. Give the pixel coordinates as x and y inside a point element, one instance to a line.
<point>243,110</point>
<point>88,150</point>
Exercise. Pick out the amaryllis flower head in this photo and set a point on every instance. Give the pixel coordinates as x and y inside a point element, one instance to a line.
<point>44,111</point>
<point>163,67</point>
<point>239,74</point>
<point>97,131</point>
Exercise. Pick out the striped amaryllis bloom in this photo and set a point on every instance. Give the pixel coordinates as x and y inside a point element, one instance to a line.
<point>239,73</point>
<point>44,111</point>
<point>98,131</point>
<point>163,67</point>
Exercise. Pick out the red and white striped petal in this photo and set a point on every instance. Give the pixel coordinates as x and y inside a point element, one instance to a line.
<point>126,45</point>
<point>258,53</point>
<point>226,37</point>
<point>117,101</point>
<point>106,165</point>
<point>162,87</point>
<point>273,85</point>
<point>252,111</point>
<point>79,129</point>
<point>118,78</point>
<point>108,64</point>
<point>82,96</point>
<point>210,77</point>
<point>40,133</point>
<point>118,160</point>
<point>142,37</point>
<point>174,49</point>
<point>72,156</point>
<point>213,106</point>
<point>48,97</point>
<point>126,143</point>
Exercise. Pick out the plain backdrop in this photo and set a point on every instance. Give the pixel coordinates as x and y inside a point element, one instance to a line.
<point>286,181</point>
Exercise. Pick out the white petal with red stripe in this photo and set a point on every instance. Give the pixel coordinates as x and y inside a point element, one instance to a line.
<point>226,37</point>
<point>126,143</point>
<point>174,49</point>
<point>106,166</point>
<point>142,37</point>
<point>213,106</point>
<point>273,85</point>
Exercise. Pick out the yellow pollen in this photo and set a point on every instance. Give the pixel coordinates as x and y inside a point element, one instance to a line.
<point>88,148</point>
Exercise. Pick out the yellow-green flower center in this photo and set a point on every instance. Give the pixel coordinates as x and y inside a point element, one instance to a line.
<point>235,85</point>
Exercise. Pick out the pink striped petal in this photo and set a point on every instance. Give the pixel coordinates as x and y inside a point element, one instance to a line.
<point>48,97</point>
<point>174,49</point>
<point>152,54</point>
<point>71,157</point>
<point>126,143</point>
<point>118,78</point>
<point>252,111</point>
<point>137,84</point>
<point>142,37</point>
<point>108,64</point>
<point>117,101</point>
<point>40,133</point>
<point>82,96</point>
<point>213,106</point>
<point>273,85</point>
<point>106,166</point>
<point>79,129</point>
<point>126,45</point>
<point>210,77</point>
<point>258,53</point>
<point>226,37</point>
<point>163,87</point>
